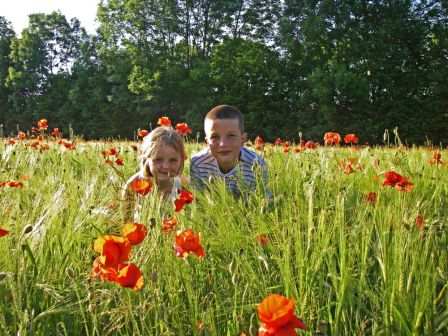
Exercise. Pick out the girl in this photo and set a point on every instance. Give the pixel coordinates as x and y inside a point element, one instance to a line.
<point>162,156</point>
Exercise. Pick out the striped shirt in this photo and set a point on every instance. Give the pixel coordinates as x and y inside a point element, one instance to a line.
<point>242,177</point>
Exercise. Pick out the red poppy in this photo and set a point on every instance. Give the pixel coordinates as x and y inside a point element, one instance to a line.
<point>262,239</point>
<point>164,121</point>
<point>56,132</point>
<point>119,161</point>
<point>278,141</point>
<point>134,148</point>
<point>21,135</point>
<point>42,124</point>
<point>14,184</point>
<point>141,186</point>
<point>169,224</point>
<point>277,314</point>
<point>259,140</point>
<point>397,181</point>
<point>68,144</point>
<point>351,138</point>
<point>436,158</point>
<point>370,197</point>
<point>103,272</point>
<point>142,133</point>
<point>286,149</point>
<point>187,242</point>
<point>309,144</point>
<point>11,141</point>
<point>185,197</point>
<point>112,151</point>
<point>40,137</point>
<point>129,276</point>
<point>183,129</point>
<point>134,232</point>
<point>332,138</point>
<point>114,250</point>
<point>419,221</point>
<point>3,232</point>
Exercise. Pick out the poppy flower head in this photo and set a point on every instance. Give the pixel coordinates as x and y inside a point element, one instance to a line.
<point>183,129</point>
<point>397,181</point>
<point>164,121</point>
<point>277,314</point>
<point>142,133</point>
<point>309,144</point>
<point>187,242</point>
<point>263,239</point>
<point>419,221</point>
<point>169,224</point>
<point>21,135</point>
<point>134,232</point>
<point>3,232</point>
<point>351,138</point>
<point>56,132</point>
<point>332,138</point>
<point>259,140</point>
<point>370,197</point>
<point>42,124</point>
<point>103,272</point>
<point>129,276</point>
<point>141,186</point>
<point>112,151</point>
<point>436,158</point>
<point>114,250</point>
<point>185,197</point>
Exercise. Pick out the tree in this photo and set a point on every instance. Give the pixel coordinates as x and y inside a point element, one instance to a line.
<point>6,35</point>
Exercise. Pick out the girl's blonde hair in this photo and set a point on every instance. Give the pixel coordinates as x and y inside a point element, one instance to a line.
<point>163,135</point>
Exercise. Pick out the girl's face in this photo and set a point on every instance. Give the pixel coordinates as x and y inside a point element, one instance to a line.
<point>164,163</point>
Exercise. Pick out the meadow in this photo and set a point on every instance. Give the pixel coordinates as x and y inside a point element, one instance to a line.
<point>358,258</point>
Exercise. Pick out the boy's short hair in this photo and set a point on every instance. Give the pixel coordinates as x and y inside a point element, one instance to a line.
<point>162,135</point>
<point>226,112</point>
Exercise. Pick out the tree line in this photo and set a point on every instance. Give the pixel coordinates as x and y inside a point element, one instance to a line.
<point>308,66</point>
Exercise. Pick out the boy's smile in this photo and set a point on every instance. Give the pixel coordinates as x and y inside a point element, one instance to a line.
<point>224,139</point>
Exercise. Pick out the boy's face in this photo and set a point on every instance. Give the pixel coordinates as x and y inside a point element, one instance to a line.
<point>224,138</point>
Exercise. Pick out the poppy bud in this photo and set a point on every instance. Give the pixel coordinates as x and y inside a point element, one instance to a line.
<point>232,267</point>
<point>153,276</point>
<point>234,279</point>
<point>70,272</point>
<point>152,223</point>
<point>252,330</point>
<point>27,229</point>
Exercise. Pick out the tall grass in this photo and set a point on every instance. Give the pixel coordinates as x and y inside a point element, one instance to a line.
<point>354,268</point>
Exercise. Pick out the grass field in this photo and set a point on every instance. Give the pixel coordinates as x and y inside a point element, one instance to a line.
<point>354,265</point>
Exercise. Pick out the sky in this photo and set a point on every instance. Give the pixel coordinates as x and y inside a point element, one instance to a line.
<point>17,11</point>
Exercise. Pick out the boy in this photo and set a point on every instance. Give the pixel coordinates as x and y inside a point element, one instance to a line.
<point>225,156</point>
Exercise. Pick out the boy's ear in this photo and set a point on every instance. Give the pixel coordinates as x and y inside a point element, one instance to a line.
<point>244,138</point>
